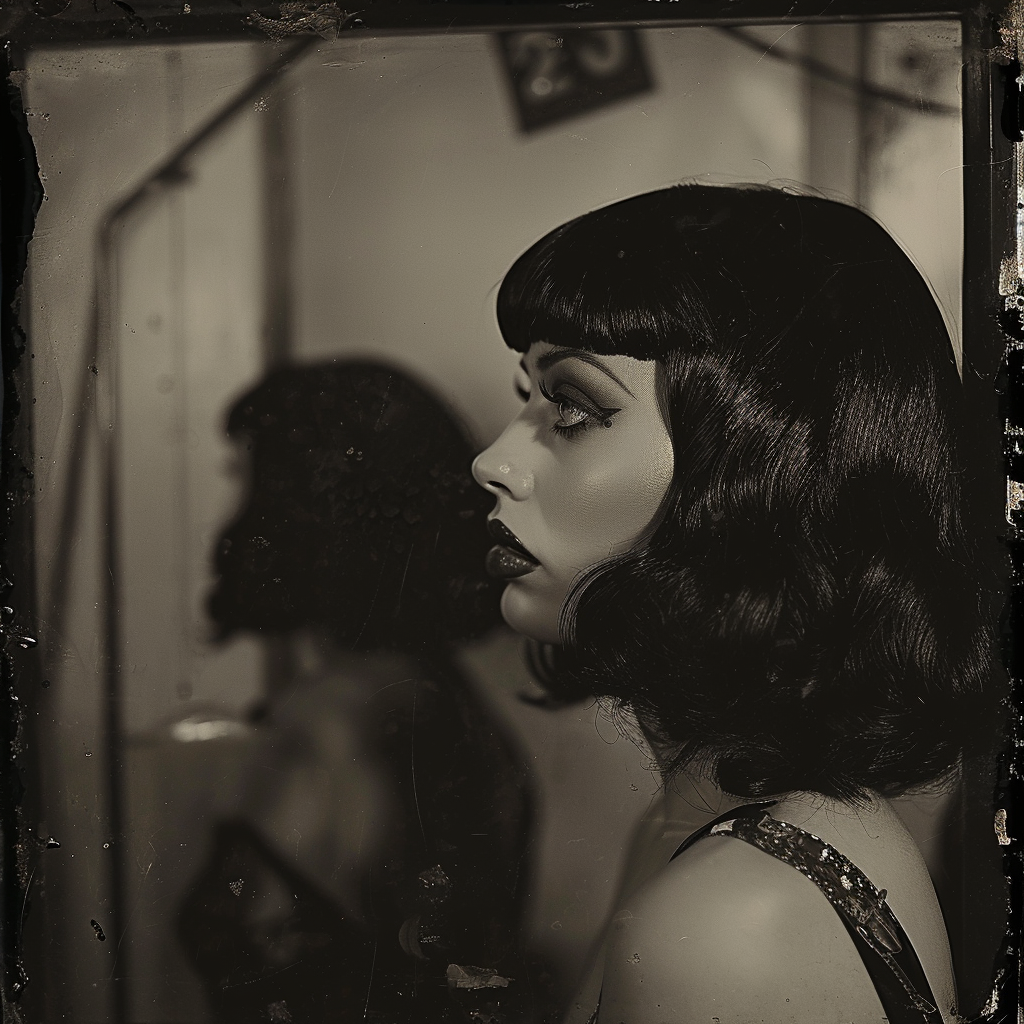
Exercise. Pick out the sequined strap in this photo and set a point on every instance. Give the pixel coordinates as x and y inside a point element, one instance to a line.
<point>888,955</point>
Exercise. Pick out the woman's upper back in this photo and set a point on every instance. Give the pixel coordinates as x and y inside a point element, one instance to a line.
<point>725,931</point>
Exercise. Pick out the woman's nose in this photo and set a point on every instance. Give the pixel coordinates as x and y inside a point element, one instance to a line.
<point>497,470</point>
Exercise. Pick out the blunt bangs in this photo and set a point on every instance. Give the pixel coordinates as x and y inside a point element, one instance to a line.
<point>689,265</point>
<point>597,285</point>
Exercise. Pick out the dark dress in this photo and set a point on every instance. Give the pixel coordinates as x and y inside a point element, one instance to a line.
<point>438,935</point>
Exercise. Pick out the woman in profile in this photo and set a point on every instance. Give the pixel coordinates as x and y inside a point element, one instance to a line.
<point>734,504</point>
<point>376,858</point>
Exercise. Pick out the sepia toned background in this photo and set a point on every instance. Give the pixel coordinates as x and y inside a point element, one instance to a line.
<point>368,203</point>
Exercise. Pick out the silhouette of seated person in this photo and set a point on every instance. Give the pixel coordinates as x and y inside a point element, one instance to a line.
<point>374,867</point>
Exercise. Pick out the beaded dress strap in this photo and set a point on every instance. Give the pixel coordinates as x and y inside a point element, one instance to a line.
<point>883,945</point>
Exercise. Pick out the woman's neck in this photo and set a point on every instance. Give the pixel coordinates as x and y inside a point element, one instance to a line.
<point>687,794</point>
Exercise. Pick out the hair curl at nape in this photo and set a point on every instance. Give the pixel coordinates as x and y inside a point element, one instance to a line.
<point>362,521</point>
<point>810,611</point>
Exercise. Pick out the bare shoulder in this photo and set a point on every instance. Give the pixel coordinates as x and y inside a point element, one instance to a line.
<point>726,933</point>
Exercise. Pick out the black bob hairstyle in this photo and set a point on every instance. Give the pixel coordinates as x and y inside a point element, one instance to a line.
<point>361,520</point>
<point>808,613</point>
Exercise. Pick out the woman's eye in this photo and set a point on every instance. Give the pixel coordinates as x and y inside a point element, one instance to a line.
<point>571,414</point>
<point>576,412</point>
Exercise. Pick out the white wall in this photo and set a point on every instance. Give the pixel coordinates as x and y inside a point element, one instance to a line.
<point>417,191</point>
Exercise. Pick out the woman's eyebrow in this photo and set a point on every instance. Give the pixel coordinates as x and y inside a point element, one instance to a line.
<point>549,359</point>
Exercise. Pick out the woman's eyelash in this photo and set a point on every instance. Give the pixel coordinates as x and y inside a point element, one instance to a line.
<point>592,413</point>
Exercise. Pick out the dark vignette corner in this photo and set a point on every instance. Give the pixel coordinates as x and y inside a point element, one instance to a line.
<point>20,197</point>
<point>993,130</point>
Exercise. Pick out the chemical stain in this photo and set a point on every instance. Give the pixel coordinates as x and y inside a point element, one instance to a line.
<point>325,19</point>
<point>99,931</point>
<point>1002,836</point>
<point>279,1013</point>
<point>465,976</point>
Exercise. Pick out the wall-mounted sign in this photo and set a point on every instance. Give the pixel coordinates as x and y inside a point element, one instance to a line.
<point>559,75</point>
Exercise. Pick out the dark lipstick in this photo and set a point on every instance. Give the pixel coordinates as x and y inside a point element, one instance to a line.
<point>508,559</point>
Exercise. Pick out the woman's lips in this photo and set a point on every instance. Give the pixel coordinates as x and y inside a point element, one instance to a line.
<point>508,559</point>
<point>505,564</point>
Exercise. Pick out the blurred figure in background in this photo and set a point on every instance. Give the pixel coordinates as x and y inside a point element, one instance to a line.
<point>374,868</point>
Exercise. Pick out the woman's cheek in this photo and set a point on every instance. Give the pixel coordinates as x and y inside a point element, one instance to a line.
<point>614,505</point>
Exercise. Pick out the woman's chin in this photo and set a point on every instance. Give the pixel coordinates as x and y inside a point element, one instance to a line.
<point>529,615</point>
